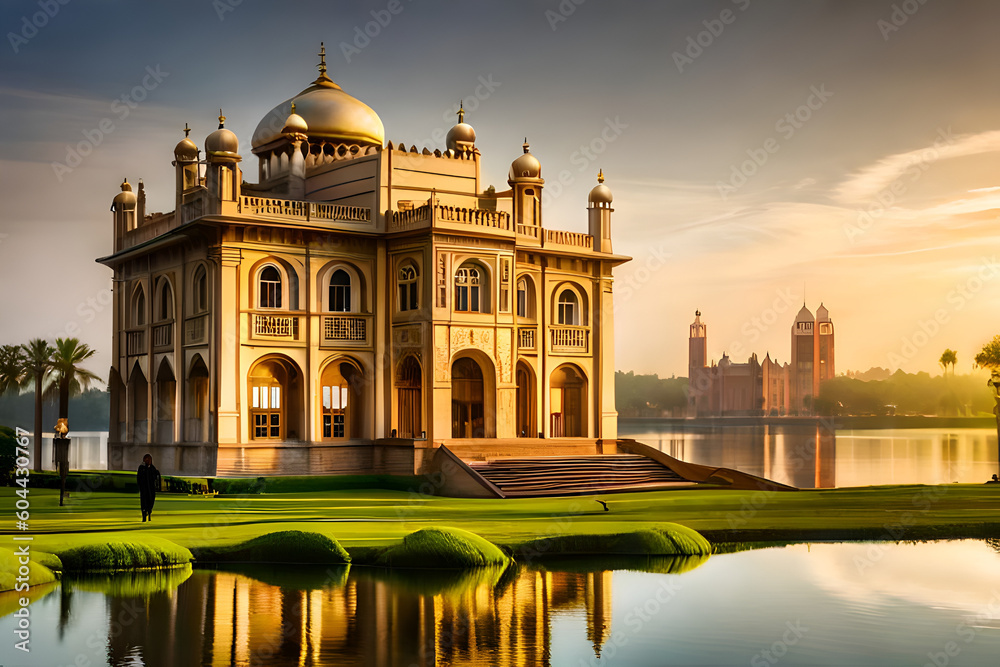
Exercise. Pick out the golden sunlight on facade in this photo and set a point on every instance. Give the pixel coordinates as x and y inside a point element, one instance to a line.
<point>360,305</point>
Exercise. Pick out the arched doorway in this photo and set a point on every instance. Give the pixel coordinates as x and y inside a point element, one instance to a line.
<point>526,426</point>
<point>468,412</point>
<point>196,403</point>
<point>275,390</point>
<point>341,401</point>
<point>568,403</point>
<point>166,400</point>
<point>409,405</point>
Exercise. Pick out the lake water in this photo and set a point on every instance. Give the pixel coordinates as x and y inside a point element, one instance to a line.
<point>816,457</point>
<point>820,604</point>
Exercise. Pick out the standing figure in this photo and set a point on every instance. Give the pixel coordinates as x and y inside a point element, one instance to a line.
<point>148,478</point>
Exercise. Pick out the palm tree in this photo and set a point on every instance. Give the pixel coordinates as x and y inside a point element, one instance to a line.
<point>11,368</point>
<point>989,357</point>
<point>37,364</point>
<point>66,370</point>
<point>949,356</point>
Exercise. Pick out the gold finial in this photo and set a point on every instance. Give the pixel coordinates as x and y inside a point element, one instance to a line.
<point>525,145</point>
<point>322,59</point>
<point>600,176</point>
<point>461,112</point>
<point>187,130</point>
<point>222,120</point>
<point>293,107</point>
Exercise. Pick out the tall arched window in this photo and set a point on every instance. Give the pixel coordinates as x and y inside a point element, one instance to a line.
<point>270,288</point>
<point>569,308</point>
<point>468,281</point>
<point>408,288</point>
<point>165,307</point>
<point>200,290</point>
<point>522,298</point>
<point>340,292</point>
<point>139,308</point>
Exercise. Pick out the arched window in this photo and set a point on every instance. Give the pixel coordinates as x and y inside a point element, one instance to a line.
<point>200,290</point>
<point>165,307</point>
<point>408,288</point>
<point>468,283</point>
<point>340,292</point>
<point>522,297</point>
<point>270,288</point>
<point>569,308</point>
<point>139,308</point>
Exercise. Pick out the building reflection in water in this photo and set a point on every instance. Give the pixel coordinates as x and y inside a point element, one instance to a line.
<point>366,617</point>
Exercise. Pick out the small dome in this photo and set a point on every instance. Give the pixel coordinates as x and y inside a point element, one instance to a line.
<point>295,124</point>
<point>462,134</point>
<point>804,315</point>
<point>125,199</point>
<point>526,166</point>
<point>601,194</point>
<point>222,141</point>
<point>186,150</point>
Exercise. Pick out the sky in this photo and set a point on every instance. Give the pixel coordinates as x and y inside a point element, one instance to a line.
<point>762,154</point>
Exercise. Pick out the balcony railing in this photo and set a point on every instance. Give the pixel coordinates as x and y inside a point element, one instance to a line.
<point>290,209</point>
<point>526,338</point>
<point>341,329</point>
<point>573,239</point>
<point>434,213</point>
<point>163,334</point>
<point>195,330</point>
<point>275,326</point>
<point>570,339</point>
<point>135,342</point>
<point>528,230</point>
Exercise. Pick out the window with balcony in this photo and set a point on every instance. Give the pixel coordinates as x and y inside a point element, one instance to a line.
<point>569,308</point>
<point>340,292</point>
<point>408,291</point>
<point>470,295</point>
<point>269,286</point>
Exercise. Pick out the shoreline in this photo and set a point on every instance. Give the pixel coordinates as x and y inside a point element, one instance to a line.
<point>839,423</point>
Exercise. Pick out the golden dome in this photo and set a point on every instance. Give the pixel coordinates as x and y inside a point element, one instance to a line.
<point>295,124</point>
<point>328,112</point>
<point>186,150</point>
<point>601,194</point>
<point>526,166</point>
<point>126,198</point>
<point>222,141</point>
<point>462,133</point>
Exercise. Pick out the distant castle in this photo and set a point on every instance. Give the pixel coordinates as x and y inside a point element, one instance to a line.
<point>768,388</point>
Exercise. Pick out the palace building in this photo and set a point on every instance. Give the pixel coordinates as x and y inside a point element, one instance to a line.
<point>358,306</point>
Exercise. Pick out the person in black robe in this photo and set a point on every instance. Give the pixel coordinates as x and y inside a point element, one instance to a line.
<point>148,478</point>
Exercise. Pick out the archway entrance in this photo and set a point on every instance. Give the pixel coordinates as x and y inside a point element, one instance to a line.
<point>468,413</point>
<point>568,403</point>
<point>526,427</point>
<point>197,402</point>
<point>409,406</point>
<point>275,400</point>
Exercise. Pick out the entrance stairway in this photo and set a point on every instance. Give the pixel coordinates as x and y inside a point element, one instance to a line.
<point>571,475</point>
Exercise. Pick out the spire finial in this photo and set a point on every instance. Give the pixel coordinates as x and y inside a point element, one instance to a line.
<point>293,107</point>
<point>525,145</point>
<point>187,130</point>
<point>600,175</point>
<point>322,58</point>
<point>222,120</point>
<point>461,112</point>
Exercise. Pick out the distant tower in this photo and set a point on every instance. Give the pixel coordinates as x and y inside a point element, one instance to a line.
<point>825,338</point>
<point>697,346</point>
<point>599,215</point>
<point>804,378</point>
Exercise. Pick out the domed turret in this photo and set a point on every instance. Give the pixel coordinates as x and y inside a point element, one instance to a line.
<point>327,112</point>
<point>186,150</point>
<point>462,135</point>
<point>222,142</point>
<point>601,194</point>
<point>525,167</point>
<point>125,199</point>
<point>295,124</point>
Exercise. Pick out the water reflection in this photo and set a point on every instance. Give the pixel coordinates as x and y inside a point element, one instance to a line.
<point>814,456</point>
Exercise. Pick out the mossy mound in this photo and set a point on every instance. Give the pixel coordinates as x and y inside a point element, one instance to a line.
<point>669,539</point>
<point>287,546</point>
<point>9,565</point>
<point>50,561</point>
<point>135,584</point>
<point>120,555</point>
<point>445,549</point>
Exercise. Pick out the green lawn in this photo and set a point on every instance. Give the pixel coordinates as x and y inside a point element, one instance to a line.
<point>380,517</point>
